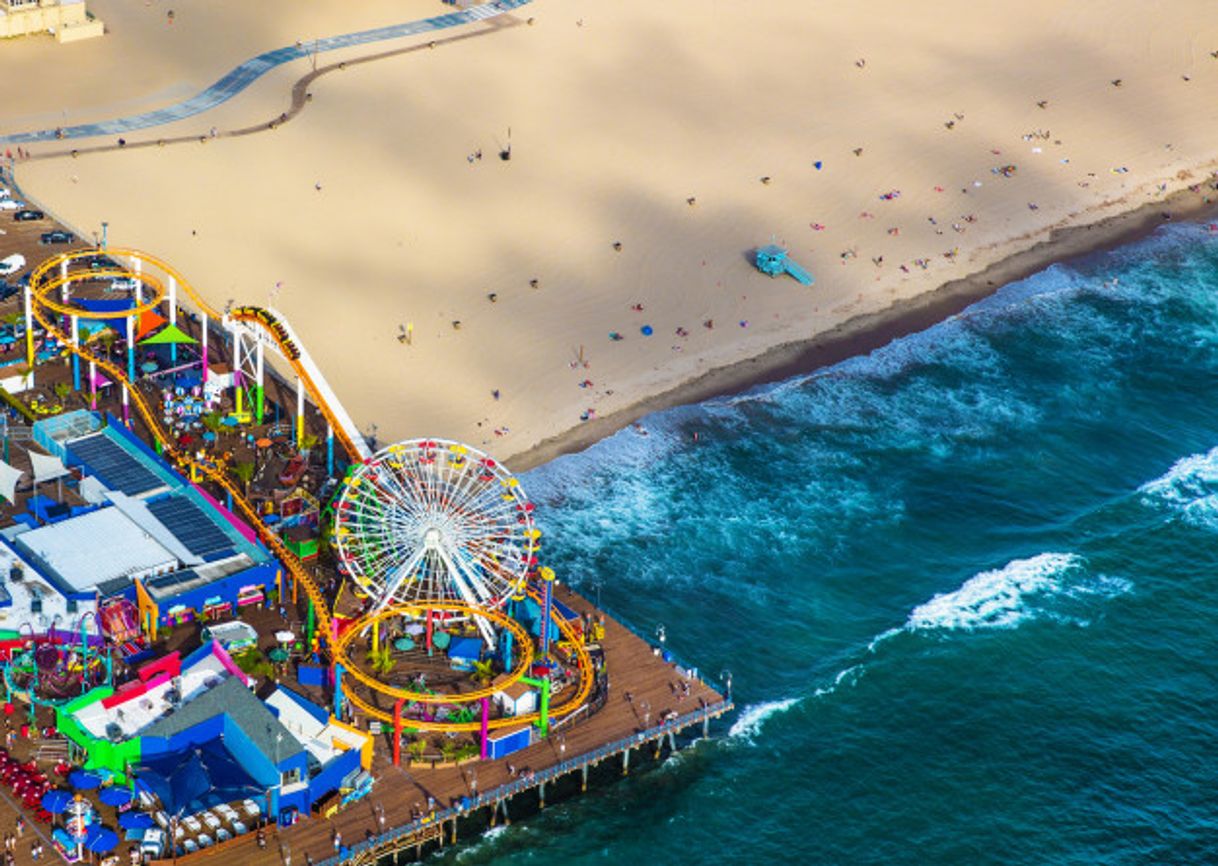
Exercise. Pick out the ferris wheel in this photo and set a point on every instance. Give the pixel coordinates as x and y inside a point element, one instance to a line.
<point>434,520</point>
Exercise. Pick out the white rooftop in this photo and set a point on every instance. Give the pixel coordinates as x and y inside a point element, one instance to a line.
<point>323,741</point>
<point>99,546</point>
<point>134,715</point>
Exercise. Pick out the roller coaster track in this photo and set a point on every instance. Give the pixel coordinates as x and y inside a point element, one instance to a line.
<point>269,321</point>
<point>216,472</point>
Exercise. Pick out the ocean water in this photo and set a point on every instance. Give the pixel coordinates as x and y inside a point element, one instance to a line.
<point>966,587</point>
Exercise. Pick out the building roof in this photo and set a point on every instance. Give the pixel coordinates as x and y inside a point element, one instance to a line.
<point>117,467</point>
<point>188,522</point>
<point>96,547</point>
<point>234,699</point>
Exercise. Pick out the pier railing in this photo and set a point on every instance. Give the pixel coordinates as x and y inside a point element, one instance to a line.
<point>404,834</point>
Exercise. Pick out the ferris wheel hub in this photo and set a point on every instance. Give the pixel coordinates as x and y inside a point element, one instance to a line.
<point>431,538</point>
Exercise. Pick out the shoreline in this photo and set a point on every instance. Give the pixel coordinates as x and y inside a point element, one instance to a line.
<point>868,332</point>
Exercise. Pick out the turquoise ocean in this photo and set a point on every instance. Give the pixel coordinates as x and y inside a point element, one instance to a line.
<point>966,587</point>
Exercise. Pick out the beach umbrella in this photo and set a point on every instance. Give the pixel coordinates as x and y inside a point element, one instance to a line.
<point>278,655</point>
<point>100,840</point>
<point>56,801</point>
<point>115,796</point>
<point>135,821</point>
<point>83,780</point>
<point>646,330</point>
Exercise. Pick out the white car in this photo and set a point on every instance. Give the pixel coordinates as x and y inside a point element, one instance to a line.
<point>12,264</point>
<point>11,204</point>
<point>124,284</point>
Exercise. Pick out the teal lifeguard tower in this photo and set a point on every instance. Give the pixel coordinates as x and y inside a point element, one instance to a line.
<point>775,261</point>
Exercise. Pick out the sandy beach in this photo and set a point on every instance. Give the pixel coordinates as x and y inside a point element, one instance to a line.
<point>912,159</point>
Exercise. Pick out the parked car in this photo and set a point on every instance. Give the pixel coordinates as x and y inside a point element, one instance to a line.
<point>11,264</point>
<point>7,291</point>
<point>11,204</point>
<point>124,284</point>
<point>28,215</point>
<point>57,237</point>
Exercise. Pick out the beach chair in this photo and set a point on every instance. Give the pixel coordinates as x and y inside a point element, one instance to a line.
<point>239,828</point>
<point>162,820</point>
<point>223,835</point>
<point>211,820</point>
<point>225,811</point>
<point>189,846</point>
<point>205,841</point>
<point>192,824</point>
<point>251,808</point>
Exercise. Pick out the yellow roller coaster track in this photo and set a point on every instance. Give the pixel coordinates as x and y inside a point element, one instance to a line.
<point>216,472</point>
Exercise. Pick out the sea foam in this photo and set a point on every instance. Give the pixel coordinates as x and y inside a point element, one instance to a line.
<point>1190,487</point>
<point>753,717</point>
<point>1041,587</point>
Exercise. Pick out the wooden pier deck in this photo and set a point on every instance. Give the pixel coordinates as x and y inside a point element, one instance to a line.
<point>621,725</point>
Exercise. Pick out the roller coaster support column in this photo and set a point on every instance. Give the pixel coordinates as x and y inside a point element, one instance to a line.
<point>338,691</point>
<point>486,720</point>
<point>126,409</point>
<point>138,267</point>
<point>206,328</point>
<point>65,289</point>
<point>29,331</point>
<point>76,357</point>
<point>397,731</point>
<point>547,582</point>
<point>299,411</point>
<point>310,618</point>
<point>131,348</point>
<point>259,391</point>
<point>173,317</point>
<point>329,449</point>
<point>376,635</point>
<point>543,723</point>
<point>93,385</point>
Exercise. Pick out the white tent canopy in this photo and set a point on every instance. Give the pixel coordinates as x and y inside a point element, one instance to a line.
<point>9,476</point>
<point>47,468</point>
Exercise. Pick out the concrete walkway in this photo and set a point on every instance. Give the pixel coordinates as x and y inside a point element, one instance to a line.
<point>251,70</point>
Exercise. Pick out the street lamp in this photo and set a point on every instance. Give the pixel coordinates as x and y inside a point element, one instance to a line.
<point>661,634</point>
<point>726,676</point>
<point>105,227</point>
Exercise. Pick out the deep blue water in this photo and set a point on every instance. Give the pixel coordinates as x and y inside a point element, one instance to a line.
<point>966,587</point>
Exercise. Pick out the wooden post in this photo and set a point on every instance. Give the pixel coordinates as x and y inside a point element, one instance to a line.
<point>672,741</point>
<point>705,727</point>
<point>507,819</point>
<point>454,829</point>
<point>541,793</point>
<point>583,786</point>
<point>659,745</point>
<point>626,762</point>
<point>494,812</point>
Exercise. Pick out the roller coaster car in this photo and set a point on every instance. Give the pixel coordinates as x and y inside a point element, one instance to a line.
<point>292,471</point>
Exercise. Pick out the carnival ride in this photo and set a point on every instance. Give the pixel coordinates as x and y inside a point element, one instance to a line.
<point>433,520</point>
<point>481,554</point>
<point>53,668</point>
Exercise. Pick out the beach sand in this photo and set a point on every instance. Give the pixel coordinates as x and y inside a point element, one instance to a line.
<point>868,138</point>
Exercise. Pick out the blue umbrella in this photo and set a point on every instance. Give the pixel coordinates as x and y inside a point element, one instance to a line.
<point>100,840</point>
<point>135,821</point>
<point>56,801</point>
<point>115,796</point>
<point>83,780</point>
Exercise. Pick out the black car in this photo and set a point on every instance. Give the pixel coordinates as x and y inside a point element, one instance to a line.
<point>28,215</point>
<point>7,291</point>
<point>57,237</point>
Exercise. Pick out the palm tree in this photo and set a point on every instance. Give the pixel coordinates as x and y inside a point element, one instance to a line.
<point>484,671</point>
<point>245,473</point>
<point>382,661</point>
<point>213,422</point>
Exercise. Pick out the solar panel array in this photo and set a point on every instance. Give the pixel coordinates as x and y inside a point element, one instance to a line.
<point>191,525</point>
<point>117,469</point>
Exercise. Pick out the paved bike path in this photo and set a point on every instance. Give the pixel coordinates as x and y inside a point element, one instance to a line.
<point>251,70</point>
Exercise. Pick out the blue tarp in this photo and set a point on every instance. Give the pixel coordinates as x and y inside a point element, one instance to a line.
<point>98,305</point>
<point>196,779</point>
